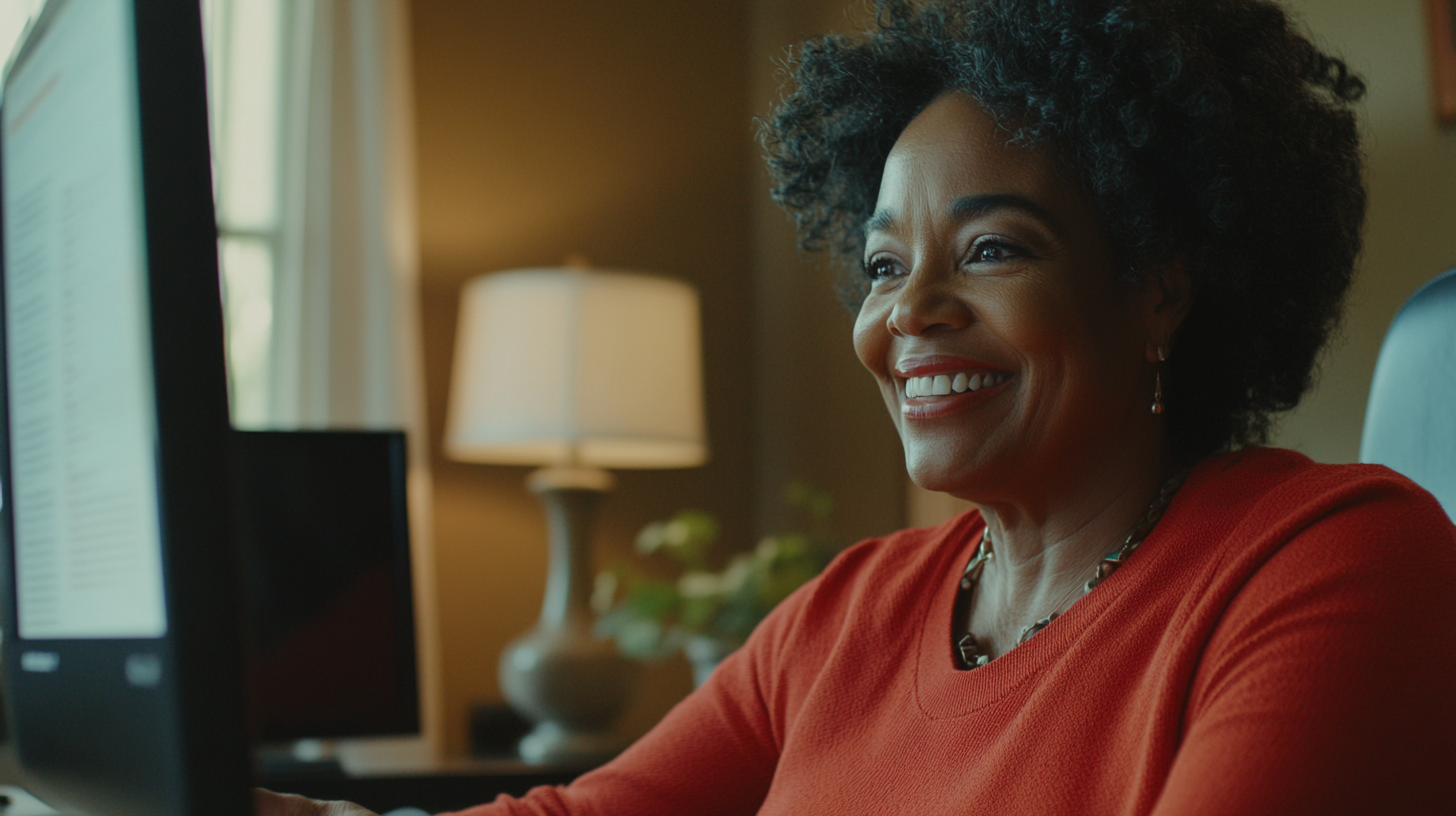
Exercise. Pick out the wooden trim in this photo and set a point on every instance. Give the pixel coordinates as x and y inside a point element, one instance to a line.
<point>1441,24</point>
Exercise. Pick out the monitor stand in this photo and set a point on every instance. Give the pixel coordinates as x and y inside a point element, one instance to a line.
<point>312,758</point>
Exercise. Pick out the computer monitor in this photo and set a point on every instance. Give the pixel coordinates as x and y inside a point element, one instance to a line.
<point>119,589</point>
<point>324,525</point>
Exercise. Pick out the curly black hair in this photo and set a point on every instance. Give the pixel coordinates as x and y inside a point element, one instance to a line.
<point>1209,130</point>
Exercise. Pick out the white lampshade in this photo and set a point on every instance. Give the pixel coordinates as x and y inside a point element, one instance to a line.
<point>577,367</point>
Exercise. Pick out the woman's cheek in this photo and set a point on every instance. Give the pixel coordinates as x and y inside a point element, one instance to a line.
<point>872,336</point>
<point>1033,322</point>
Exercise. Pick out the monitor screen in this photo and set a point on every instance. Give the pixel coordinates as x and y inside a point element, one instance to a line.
<point>88,560</point>
<point>118,581</point>
<point>325,533</point>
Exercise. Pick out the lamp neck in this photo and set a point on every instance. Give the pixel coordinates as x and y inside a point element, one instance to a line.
<point>570,496</point>
<point>569,477</point>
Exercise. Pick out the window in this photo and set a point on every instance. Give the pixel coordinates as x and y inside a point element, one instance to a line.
<point>245,77</point>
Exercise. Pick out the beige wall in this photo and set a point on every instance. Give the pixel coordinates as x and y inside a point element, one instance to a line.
<point>820,415</point>
<point>623,131</point>
<point>619,131</point>
<point>1410,235</point>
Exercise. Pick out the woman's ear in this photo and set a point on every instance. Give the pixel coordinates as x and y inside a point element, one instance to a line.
<point>1167,296</point>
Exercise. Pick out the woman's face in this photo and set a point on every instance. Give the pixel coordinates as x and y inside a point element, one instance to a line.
<point>1004,343</point>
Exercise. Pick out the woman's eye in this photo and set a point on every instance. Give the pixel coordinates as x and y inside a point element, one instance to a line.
<point>880,268</point>
<point>991,251</point>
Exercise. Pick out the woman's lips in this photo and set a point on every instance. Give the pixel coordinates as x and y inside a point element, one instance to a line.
<point>935,385</point>
<point>930,364</point>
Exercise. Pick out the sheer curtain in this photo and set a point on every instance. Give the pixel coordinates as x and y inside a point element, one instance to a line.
<point>15,15</point>
<point>313,155</point>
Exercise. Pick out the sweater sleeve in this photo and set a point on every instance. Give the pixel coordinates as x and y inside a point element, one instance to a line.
<point>713,754</point>
<point>1329,684</point>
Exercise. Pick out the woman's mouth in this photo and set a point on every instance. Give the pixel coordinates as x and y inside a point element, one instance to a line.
<point>959,382</point>
<point>943,394</point>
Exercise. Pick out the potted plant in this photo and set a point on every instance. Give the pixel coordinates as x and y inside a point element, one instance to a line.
<point>708,613</point>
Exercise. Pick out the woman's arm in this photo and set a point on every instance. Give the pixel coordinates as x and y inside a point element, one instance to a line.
<point>268,803</point>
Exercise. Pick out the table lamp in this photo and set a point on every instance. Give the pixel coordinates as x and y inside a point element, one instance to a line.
<point>576,371</point>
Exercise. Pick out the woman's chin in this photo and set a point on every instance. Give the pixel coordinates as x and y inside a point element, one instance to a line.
<point>941,474</point>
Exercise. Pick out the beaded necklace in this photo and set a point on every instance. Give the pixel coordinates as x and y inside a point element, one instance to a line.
<point>969,651</point>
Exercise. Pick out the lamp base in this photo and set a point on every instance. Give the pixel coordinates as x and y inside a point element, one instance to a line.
<point>573,686</point>
<point>550,742</point>
<point>560,675</point>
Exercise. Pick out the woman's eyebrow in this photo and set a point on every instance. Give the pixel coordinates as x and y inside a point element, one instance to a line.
<point>976,206</point>
<point>968,207</point>
<point>881,220</point>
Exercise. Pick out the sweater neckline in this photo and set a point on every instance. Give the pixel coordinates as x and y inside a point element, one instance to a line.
<point>943,690</point>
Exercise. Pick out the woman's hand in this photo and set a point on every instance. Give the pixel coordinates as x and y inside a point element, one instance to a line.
<point>268,803</point>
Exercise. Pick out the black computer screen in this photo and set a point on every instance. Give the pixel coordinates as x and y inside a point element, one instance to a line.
<point>119,593</point>
<point>325,533</point>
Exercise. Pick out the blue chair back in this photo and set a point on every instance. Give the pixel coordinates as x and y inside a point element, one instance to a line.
<point>1410,421</point>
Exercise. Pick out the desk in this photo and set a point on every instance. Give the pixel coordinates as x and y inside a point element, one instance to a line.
<point>447,785</point>
<point>451,785</point>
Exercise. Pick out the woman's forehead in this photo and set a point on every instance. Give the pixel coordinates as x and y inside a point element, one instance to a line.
<point>953,150</point>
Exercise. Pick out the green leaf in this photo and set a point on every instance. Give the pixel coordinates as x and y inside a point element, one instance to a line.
<point>687,536</point>
<point>653,599</point>
<point>817,503</point>
<point>642,639</point>
<point>651,538</point>
<point>698,613</point>
<point>651,618</point>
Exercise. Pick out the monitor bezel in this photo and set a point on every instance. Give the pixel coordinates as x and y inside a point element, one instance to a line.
<point>202,757</point>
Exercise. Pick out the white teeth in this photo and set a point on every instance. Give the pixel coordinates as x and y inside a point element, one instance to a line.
<point>944,384</point>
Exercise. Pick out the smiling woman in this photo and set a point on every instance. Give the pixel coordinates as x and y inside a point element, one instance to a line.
<point>1093,246</point>
<point>986,261</point>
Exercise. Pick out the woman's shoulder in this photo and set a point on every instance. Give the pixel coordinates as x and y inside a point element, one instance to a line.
<point>1273,520</point>
<point>1266,486</point>
<point>1317,630</point>
<point>1281,465</point>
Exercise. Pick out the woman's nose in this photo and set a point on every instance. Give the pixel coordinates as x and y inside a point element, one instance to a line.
<point>927,303</point>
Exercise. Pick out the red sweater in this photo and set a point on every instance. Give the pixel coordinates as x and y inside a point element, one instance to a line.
<point>1283,643</point>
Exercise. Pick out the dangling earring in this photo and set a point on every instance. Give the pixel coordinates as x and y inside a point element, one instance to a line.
<point>1158,383</point>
